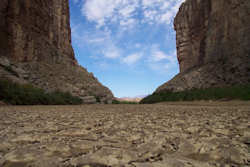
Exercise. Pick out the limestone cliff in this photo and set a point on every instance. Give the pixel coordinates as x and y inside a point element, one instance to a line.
<point>35,47</point>
<point>212,39</point>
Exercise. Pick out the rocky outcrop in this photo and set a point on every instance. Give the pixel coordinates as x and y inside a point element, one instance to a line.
<point>213,39</point>
<point>35,47</point>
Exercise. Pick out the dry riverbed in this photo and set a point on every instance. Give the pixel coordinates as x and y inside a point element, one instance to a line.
<point>160,135</point>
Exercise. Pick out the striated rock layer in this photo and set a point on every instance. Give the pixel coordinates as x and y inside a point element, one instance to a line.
<point>213,39</point>
<point>35,47</point>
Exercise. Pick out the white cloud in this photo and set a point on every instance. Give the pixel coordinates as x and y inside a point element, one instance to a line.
<point>147,3</point>
<point>167,17</point>
<point>156,54</point>
<point>82,37</point>
<point>161,61</point>
<point>112,52</point>
<point>127,11</point>
<point>160,11</point>
<point>99,41</point>
<point>159,55</point>
<point>98,11</point>
<point>104,11</point>
<point>96,40</point>
<point>132,59</point>
<point>123,12</point>
<point>126,14</point>
<point>165,5</point>
<point>128,22</point>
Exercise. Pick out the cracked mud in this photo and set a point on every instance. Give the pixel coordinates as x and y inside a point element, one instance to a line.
<point>160,135</point>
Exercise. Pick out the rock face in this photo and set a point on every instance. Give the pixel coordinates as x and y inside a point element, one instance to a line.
<point>35,47</point>
<point>213,39</point>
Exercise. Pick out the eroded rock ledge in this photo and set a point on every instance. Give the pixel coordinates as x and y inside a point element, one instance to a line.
<point>213,39</point>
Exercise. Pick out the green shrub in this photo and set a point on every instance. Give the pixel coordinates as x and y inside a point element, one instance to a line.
<point>240,92</point>
<point>123,102</point>
<point>98,99</point>
<point>16,94</point>
<point>116,102</point>
<point>10,70</point>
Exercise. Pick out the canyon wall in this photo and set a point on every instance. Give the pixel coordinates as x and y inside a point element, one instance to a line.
<point>212,39</point>
<point>35,47</point>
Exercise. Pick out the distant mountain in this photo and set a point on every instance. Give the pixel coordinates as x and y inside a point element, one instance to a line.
<point>131,99</point>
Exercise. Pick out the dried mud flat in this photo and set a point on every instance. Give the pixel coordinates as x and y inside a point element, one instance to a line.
<point>159,135</point>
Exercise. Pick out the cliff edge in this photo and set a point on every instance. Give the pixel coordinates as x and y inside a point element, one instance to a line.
<point>212,39</point>
<point>35,47</point>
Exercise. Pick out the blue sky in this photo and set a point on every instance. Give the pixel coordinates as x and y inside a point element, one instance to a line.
<point>129,45</point>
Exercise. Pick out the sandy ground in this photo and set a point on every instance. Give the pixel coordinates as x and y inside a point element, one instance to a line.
<point>201,134</point>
